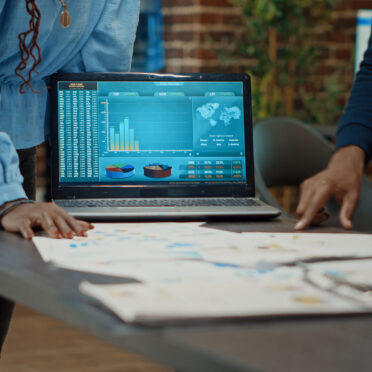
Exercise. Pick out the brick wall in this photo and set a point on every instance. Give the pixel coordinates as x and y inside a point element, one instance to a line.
<point>189,23</point>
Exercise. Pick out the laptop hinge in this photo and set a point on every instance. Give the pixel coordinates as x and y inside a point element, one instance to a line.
<point>70,197</point>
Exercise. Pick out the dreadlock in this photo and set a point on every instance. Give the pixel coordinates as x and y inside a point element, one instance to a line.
<point>30,49</point>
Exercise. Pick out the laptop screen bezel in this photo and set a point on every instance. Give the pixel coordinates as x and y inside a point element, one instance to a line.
<point>59,191</point>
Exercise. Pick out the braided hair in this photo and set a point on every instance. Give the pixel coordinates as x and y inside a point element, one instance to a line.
<point>29,49</point>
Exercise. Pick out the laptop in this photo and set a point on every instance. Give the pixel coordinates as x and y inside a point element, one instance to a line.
<point>153,146</point>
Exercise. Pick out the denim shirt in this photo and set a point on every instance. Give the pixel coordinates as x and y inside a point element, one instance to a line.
<point>10,176</point>
<point>100,38</point>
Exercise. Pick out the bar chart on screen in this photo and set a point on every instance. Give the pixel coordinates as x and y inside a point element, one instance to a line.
<point>132,123</point>
<point>122,137</point>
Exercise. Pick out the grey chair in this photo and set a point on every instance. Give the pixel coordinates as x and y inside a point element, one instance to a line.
<point>286,152</point>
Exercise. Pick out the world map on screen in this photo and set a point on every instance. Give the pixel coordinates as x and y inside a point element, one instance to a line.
<point>215,113</point>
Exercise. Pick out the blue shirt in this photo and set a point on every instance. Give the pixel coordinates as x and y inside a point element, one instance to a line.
<point>355,126</point>
<point>10,176</point>
<point>99,38</point>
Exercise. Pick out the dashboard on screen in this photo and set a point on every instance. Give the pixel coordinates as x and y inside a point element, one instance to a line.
<point>150,132</point>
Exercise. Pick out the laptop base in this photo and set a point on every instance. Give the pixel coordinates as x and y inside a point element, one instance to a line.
<point>259,210</point>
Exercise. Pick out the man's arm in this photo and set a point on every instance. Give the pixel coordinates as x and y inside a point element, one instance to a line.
<point>355,125</point>
<point>342,178</point>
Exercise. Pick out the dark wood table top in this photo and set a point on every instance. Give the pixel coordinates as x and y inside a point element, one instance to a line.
<point>341,343</point>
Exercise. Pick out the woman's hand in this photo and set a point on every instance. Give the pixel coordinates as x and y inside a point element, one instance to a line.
<point>341,180</point>
<point>48,216</point>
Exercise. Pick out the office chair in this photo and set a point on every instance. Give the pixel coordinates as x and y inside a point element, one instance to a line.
<point>286,152</point>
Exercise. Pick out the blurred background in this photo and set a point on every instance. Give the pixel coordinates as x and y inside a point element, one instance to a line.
<point>302,55</point>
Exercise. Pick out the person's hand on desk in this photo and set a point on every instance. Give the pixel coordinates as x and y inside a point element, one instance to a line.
<point>57,223</point>
<point>341,180</point>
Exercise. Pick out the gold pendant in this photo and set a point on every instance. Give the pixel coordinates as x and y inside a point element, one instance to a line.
<point>65,18</point>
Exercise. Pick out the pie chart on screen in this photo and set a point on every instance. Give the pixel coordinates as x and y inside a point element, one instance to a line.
<point>120,171</point>
<point>157,170</point>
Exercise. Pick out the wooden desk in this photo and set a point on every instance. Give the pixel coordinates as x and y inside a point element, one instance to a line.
<point>342,343</point>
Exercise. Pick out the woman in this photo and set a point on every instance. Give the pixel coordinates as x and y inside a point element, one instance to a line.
<point>39,38</point>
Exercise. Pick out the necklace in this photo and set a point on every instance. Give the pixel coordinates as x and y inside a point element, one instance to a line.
<point>65,17</point>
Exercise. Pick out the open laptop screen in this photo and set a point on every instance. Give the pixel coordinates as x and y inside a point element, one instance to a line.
<point>150,132</point>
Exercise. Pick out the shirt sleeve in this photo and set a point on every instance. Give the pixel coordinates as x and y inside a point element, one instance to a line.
<point>10,176</point>
<point>110,45</point>
<point>355,125</point>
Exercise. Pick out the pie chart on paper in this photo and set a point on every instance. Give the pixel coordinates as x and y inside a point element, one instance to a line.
<point>120,171</point>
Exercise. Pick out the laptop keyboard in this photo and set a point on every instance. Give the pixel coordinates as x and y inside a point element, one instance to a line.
<point>194,202</point>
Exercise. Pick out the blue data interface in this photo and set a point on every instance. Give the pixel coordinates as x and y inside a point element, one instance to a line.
<point>146,132</point>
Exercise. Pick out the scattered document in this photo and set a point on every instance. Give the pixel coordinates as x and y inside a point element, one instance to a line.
<point>347,279</point>
<point>281,291</point>
<point>293,247</point>
<point>112,243</point>
<point>188,271</point>
<point>127,242</point>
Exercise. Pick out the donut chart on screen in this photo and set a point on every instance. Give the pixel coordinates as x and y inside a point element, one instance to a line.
<point>157,170</point>
<point>120,171</point>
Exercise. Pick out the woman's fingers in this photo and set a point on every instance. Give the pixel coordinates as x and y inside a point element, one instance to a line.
<point>63,227</point>
<point>48,225</point>
<point>67,225</point>
<point>25,229</point>
<point>50,217</point>
<point>79,227</point>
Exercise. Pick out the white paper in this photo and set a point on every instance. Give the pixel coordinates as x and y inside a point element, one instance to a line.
<point>167,241</point>
<point>279,291</point>
<point>146,241</point>
<point>118,249</point>
<point>187,271</point>
<point>350,279</point>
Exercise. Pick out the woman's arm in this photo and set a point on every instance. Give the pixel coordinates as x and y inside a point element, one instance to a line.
<point>20,216</point>
<point>10,176</point>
